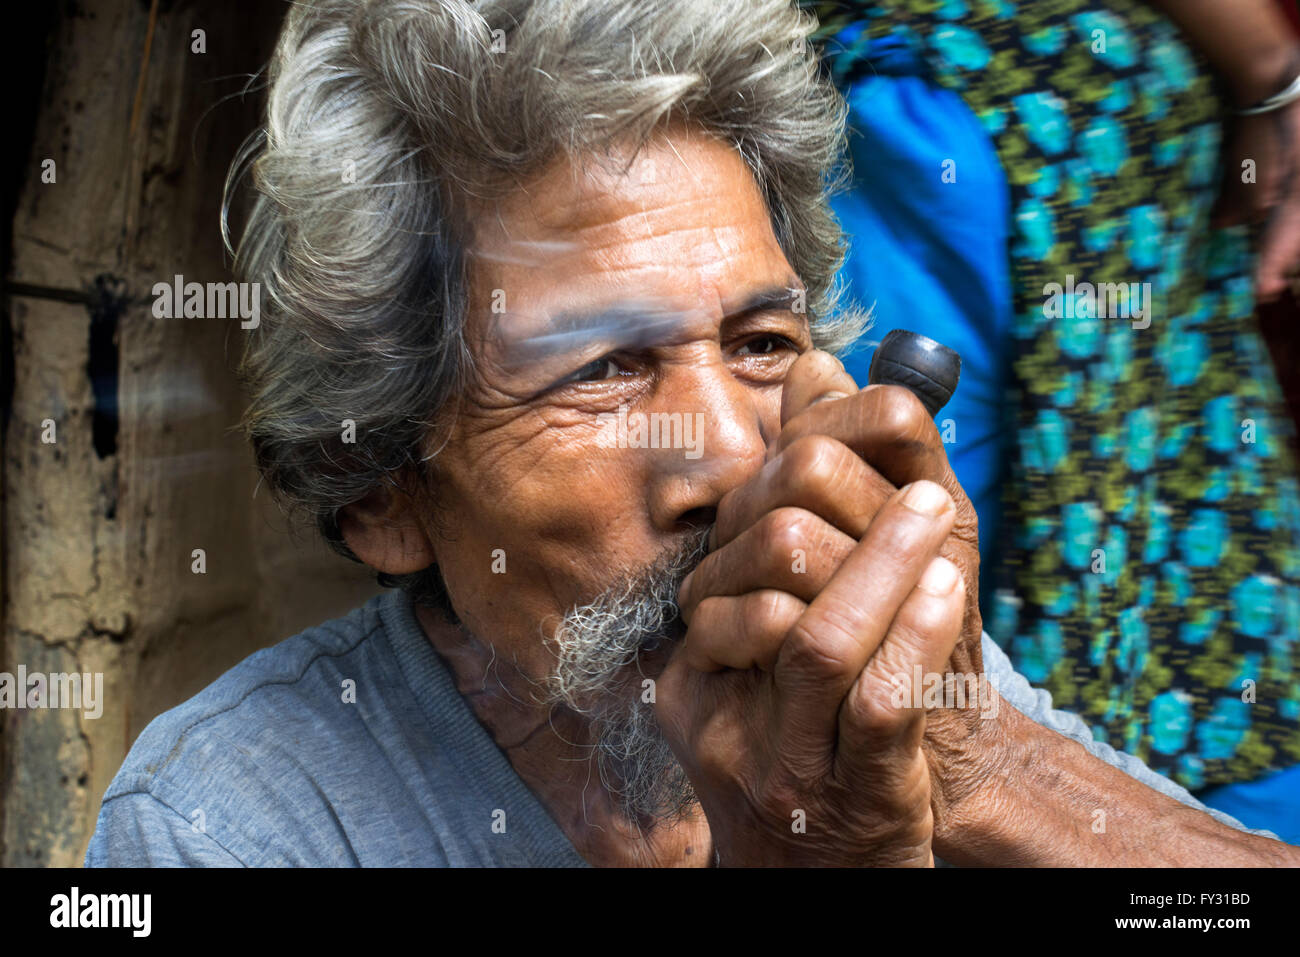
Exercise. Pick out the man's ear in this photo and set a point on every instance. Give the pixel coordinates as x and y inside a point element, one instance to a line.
<point>384,530</point>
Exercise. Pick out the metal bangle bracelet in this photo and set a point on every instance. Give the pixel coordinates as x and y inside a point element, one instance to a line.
<point>1276,102</point>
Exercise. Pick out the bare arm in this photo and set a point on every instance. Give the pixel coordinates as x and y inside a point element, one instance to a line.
<point>1256,52</point>
<point>1248,42</point>
<point>1044,801</point>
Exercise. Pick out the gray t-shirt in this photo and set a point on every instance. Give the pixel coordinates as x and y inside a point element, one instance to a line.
<point>348,745</point>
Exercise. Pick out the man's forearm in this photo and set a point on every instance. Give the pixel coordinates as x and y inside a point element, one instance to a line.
<point>1044,801</point>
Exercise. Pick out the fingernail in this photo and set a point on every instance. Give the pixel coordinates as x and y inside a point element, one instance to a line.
<point>927,498</point>
<point>826,396</point>
<point>940,578</point>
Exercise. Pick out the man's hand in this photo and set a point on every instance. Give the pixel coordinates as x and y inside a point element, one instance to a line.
<point>840,454</point>
<point>820,528</point>
<point>782,708</point>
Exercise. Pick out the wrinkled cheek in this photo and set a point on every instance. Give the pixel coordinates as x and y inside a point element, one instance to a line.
<point>538,519</point>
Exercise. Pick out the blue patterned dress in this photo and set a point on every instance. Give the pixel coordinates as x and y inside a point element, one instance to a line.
<point>1141,516</point>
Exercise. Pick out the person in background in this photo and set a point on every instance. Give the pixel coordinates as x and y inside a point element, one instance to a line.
<point>1129,454</point>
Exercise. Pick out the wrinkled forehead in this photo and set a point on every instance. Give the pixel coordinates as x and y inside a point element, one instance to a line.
<point>675,233</point>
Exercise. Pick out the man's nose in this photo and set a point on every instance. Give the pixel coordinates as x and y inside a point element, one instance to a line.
<point>725,431</point>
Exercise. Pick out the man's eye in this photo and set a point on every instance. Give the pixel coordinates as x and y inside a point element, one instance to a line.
<point>602,368</point>
<point>765,345</point>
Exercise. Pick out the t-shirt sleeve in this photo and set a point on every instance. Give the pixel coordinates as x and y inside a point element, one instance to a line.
<point>138,830</point>
<point>1036,704</point>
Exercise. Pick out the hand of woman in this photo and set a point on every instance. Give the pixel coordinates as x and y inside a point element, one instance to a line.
<point>1256,52</point>
<point>1262,185</point>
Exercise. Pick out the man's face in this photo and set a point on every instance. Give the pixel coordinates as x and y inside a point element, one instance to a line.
<point>659,288</point>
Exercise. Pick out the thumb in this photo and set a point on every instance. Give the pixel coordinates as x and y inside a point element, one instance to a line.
<point>1279,249</point>
<point>815,375</point>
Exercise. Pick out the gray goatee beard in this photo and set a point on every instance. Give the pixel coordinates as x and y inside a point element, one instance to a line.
<point>597,644</point>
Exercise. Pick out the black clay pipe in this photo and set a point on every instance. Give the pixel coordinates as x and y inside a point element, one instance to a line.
<point>929,369</point>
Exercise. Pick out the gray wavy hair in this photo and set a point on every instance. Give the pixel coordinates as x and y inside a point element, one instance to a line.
<point>386,117</point>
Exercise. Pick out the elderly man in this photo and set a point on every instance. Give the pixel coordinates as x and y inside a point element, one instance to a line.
<point>548,346</point>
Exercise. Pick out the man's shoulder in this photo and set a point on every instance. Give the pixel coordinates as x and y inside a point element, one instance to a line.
<point>347,744</point>
<point>294,674</point>
<point>263,748</point>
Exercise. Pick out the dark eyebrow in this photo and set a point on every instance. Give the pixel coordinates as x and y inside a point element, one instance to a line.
<point>629,325</point>
<point>766,300</point>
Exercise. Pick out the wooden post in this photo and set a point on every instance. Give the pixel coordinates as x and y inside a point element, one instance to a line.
<point>101,524</point>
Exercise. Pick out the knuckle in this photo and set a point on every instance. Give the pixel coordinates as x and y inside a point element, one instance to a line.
<point>783,530</point>
<point>764,612</point>
<point>822,650</point>
<point>811,461</point>
<point>875,711</point>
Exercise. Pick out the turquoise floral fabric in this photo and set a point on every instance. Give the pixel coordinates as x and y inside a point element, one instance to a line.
<point>1148,572</point>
